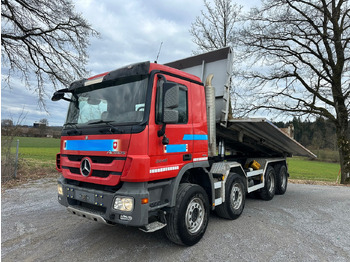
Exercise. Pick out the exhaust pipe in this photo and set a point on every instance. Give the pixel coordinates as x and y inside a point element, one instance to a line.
<point>210,99</point>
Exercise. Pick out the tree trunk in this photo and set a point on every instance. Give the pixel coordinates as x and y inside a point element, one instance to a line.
<point>344,153</point>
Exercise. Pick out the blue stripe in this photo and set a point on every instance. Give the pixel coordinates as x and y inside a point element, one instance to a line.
<point>195,137</point>
<point>90,145</point>
<point>175,148</point>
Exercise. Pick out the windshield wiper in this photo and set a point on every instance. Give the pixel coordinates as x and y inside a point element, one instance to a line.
<point>100,122</point>
<point>75,131</point>
<point>112,129</point>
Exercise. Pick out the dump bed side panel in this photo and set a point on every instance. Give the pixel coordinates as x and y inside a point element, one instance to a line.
<point>261,136</point>
<point>218,63</point>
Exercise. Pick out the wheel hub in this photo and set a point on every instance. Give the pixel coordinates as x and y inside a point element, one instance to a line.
<point>237,196</point>
<point>194,215</point>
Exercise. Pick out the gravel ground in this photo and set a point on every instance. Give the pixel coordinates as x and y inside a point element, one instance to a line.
<point>308,223</point>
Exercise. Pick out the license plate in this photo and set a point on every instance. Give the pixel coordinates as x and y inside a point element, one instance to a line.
<point>84,196</point>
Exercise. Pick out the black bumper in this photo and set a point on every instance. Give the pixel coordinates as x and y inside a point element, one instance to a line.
<point>98,205</point>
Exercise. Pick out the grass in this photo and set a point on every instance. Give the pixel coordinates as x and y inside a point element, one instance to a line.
<point>305,169</point>
<point>326,155</point>
<point>37,159</point>
<point>38,148</point>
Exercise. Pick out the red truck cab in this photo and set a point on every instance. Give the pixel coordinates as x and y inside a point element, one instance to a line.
<point>127,136</point>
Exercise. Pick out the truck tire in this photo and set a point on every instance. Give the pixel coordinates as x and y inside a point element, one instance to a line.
<point>268,191</point>
<point>281,180</point>
<point>188,221</point>
<point>233,206</point>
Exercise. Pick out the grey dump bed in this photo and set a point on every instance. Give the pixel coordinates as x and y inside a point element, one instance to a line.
<point>257,136</point>
<point>261,137</point>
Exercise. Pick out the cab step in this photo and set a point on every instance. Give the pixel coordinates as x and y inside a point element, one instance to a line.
<point>152,227</point>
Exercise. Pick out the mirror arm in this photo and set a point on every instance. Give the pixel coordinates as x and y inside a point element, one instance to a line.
<point>165,140</point>
<point>162,131</point>
<point>67,99</point>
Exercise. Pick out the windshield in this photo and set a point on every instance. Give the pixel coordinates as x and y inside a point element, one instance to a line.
<point>118,104</point>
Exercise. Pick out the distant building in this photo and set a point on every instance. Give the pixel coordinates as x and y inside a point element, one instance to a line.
<point>39,124</point>
<point>289,130</point>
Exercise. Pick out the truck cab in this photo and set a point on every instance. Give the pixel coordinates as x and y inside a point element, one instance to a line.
<point>128,134</point>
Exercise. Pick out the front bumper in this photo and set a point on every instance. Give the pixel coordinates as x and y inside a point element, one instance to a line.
<point>98,204</point>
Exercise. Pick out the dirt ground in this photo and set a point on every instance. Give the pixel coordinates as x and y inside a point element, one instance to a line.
<point>308,223</point>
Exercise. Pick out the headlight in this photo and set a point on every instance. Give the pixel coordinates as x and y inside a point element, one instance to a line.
<point>124,204</point>
<point>60,189</point>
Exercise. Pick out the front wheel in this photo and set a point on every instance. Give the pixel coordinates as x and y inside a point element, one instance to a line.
<point>188,221</point>
<point>233,206</point>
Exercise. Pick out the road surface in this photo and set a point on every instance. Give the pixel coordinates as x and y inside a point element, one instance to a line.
<point>308,223</point>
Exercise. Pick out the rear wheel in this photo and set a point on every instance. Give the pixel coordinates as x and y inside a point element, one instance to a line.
<point>281,180</point>
<point>268,191</point>
<point>188,221</point>
<point>233,206</point>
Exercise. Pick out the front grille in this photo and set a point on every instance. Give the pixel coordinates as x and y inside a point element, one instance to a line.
<point>94,159</point>
<point>95,173</point>
<point>100,173</point>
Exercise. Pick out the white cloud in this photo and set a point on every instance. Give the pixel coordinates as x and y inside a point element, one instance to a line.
<point>131,31</point>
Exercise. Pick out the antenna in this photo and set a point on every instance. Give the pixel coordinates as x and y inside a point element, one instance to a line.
<point>160,47</point>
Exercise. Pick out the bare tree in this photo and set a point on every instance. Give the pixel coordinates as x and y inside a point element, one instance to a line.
<point>43,126</point>
<point>44,122</point>
<point>44,42</point>
<point>215,28</point>
<point>299,63</point>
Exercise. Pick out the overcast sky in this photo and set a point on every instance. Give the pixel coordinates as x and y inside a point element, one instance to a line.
<point>131,31</point>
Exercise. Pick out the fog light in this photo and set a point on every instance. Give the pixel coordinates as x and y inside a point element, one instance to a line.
<point>124,204</point>
<point>60,189</point>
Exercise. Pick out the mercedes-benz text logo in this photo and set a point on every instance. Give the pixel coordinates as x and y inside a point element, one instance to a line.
<point>85,167</point>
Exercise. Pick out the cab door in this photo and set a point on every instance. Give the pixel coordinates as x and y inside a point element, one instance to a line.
<point>170,153</point>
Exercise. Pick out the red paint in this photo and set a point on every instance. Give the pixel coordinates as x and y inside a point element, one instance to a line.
<point>98,76</point>
<point>139,153</point>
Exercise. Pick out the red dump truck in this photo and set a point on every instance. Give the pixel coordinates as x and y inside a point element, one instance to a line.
<point>153,146</point>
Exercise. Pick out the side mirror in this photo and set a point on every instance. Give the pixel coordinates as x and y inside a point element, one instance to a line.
<point>171,116</point>
<point>58,95</point>
<point>170,101</point>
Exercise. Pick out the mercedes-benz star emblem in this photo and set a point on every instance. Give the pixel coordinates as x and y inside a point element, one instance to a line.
<point>85,167</point>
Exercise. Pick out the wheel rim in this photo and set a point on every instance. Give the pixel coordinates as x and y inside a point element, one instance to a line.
<point>195,215</point>
<point>271,182</point>
<point>236,196</point>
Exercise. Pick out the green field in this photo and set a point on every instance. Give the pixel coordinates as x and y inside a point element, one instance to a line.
<point>38,148</point>
<point>304,169</point>
<point>38,152</point>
